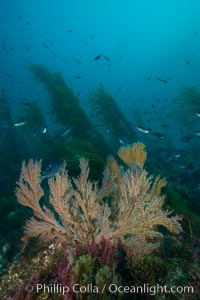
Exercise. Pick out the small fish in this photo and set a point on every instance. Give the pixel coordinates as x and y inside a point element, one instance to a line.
<point>123,142</point>
<point>159,135</point>
<point>101,55</point>
<point>148,78</point>
<point>186,138</point>
<point>26,103</point>
<point>76,60</point>
<point>97,57</point>
<point>78,77</point>
<point>169,115</point>
<point>187,62</point>
<point>28,23</point>
<point>92,37</point>
<point>143,130</point>
<point>3,90</point>
<point>106,57</point>
<point>66,132</point>
<point>197,133</point>
<point>52,170</point>
<point>18,124</point>
<point>26,47</point>
<point>8,75</point>
<point>3,45</point>
<point>161,80</point>
<point>43,130</point>
<point>45,45</point>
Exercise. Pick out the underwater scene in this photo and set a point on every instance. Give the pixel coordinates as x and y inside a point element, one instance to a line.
<point>99,149</point>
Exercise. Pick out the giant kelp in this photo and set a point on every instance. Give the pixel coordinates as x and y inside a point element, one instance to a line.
<point>64,104</point>
<point>181,206</point>
<point>72,150</point>
<point>35,133</point>
<point>187,104</point>
<point>108,113</point>
<point>9,159</point>
<point>66,109</point>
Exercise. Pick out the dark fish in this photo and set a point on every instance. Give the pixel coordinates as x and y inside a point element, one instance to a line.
<point>161,80</point>
<point>3,90</point>
<point>52,170</point>
<point>159,135</point>
<point>78,77</point>
<point>101,55</point>
<point>3,45</point>
<point>76,60</point>
<point>186,138</point>
<point>26,47</point>
<point>28,23</point>
<point>106,57</point>
<point>187,62</point>
<point>26,103</point>
<point>45,45</point>
<point>92,37</point>
<point>8,75</point>
<point>97,57</point>
<point>169,115</point>
<point>148,78</point>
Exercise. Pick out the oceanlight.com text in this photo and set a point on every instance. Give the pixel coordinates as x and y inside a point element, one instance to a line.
<point>111,288</point>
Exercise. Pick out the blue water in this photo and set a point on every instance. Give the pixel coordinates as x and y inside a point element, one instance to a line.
<point>142,39</point>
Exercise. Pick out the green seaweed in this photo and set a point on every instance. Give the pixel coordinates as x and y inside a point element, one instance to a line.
<point>71,151</point>
<point>33,116</point>
<point>64,104</point>
<point>180,206</point>
<point>108,113</point>
<point>66,109</point>
<point>187,102</point>
<point>11,156</point>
